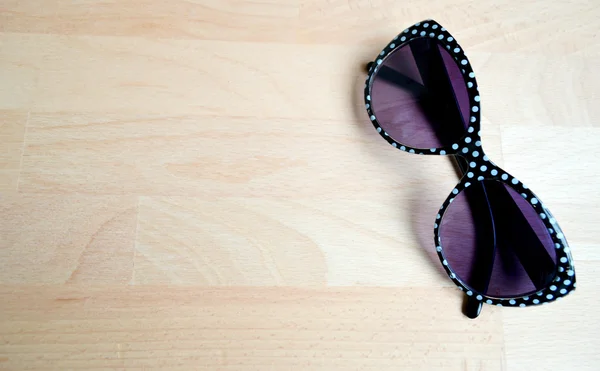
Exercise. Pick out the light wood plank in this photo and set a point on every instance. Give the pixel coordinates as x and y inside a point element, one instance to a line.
<point>18,72</point>
<point>209,156</point>
<point>523,90</point>
<point>288,242</point>
<point>561,167</point>
<point>191,19</point>
<point>499,27</point>
<point>12,136</point>
<point>167,76</point>
<point>244,328</point>
<point>66,239</point>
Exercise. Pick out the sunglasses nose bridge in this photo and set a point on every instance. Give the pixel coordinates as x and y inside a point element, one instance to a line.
<point>470,147</point>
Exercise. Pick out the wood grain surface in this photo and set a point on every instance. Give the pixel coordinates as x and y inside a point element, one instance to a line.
<point>195,185</point>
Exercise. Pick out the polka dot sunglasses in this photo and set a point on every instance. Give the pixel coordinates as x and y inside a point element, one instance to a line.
<point>496,240</point>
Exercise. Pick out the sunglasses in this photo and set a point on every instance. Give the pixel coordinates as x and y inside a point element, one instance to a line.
<point>494,237</point>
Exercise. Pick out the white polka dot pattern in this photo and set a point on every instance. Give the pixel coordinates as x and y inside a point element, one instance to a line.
<point>480,168</point>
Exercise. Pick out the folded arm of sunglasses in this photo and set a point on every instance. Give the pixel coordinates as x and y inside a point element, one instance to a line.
<point>395,77</point>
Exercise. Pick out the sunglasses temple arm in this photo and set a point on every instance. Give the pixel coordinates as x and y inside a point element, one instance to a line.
<point>471,307</point>
<point>391,75</point>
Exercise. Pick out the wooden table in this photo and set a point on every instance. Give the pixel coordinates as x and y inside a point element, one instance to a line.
<point>195,185</point>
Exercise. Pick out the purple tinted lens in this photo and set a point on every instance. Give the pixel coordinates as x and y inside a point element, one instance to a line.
<point>496,243</point>
<point>419,95</point>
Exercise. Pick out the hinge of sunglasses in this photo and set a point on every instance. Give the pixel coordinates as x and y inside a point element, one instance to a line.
<point>369,66</point>
<point>472,307</point>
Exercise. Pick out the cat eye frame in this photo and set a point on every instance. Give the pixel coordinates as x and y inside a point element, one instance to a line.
<point>494,237</point>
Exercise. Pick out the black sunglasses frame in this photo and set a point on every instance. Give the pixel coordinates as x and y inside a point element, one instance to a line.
<point>475,166</point>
